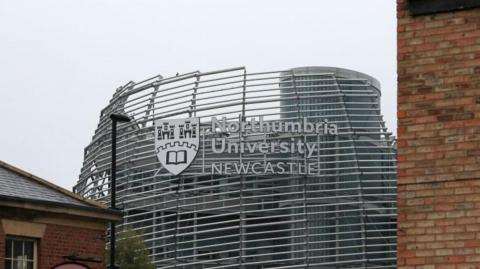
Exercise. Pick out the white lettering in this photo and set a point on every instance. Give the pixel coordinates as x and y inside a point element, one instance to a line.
<point>254,170</point>
<point>218,168</point>
<point>233,126</point>
<point>263,147</point>
<point>269,168</point>
<point>333,129</point>
<point>241,168</point>
<point>281,167</point>
<point>216,124</point>
<point>310,148</point>
<point>227,168</point>
<point>214,145</point>
<point>283,147</point>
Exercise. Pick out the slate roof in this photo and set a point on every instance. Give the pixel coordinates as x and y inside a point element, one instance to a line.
<point>16,184</point>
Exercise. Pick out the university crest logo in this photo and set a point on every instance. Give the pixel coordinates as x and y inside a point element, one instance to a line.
<point>177,142</point>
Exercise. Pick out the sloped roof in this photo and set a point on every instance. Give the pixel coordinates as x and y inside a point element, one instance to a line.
<point>19,185</point>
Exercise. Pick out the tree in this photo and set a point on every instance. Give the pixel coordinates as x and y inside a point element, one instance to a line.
<point>131,252</point>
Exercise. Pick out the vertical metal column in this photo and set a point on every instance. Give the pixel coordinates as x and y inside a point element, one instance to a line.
<point>113,186</point>
<point>241,214</point>
<point>363,214</point>
<point>113,178</point>
<point>193,105</point>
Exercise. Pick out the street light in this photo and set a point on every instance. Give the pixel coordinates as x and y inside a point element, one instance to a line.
<point>115,118</point>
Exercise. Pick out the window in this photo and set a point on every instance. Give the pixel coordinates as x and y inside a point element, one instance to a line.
<point>422,7</point>
<point>21,253</point>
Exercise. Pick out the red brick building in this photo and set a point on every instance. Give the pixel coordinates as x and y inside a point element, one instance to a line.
<point>438,134</point>
<point>43,226</point>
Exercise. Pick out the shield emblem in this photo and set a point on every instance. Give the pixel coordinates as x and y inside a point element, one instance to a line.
<point>176,143</point>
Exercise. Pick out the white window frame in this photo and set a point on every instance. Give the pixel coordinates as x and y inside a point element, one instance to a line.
<point>23,239</point>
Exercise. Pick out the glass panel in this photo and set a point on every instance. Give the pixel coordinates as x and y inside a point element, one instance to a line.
<point>8,264</point>
<point>28,250</point>
<point>21,264</point>
<point>9,249</point>
<point>17,249</point>
<point>30,265</point>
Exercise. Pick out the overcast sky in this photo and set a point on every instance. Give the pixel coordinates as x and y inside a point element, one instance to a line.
<point>60,61</point>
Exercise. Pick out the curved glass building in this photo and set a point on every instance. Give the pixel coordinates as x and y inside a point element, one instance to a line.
<point>342,214</point>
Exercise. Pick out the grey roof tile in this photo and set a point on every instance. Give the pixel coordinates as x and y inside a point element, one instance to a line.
<point>15,185</point>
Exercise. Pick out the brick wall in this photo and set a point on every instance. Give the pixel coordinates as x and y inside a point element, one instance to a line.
<point>59,241</point>
<point>438,140</point>
<point>2,248</point>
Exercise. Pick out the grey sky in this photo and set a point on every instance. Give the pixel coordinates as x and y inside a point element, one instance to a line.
<point>60,61</point>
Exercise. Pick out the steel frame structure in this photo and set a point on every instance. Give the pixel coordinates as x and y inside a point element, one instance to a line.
<point>344,216</point>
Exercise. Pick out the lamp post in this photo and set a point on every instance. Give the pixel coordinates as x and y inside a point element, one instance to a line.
<point>115,118</point>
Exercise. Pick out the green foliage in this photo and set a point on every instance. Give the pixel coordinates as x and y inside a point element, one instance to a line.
<point>131,252</point>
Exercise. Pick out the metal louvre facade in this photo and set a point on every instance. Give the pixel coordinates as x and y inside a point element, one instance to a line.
<point>342,216</point>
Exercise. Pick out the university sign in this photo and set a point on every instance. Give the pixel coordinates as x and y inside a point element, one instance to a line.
<point>177,142</point>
